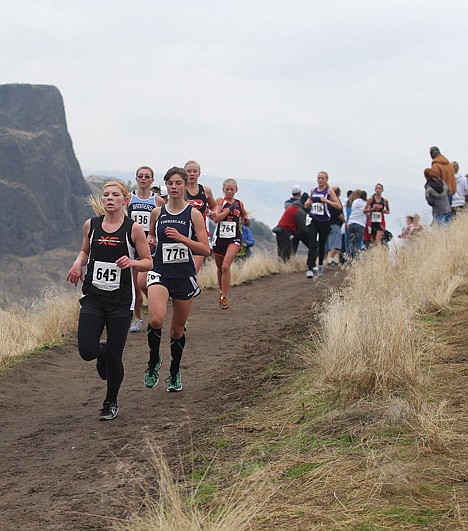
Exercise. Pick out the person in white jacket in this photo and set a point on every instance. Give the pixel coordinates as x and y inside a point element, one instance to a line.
<point>357,221</point>
<point>458,199</point>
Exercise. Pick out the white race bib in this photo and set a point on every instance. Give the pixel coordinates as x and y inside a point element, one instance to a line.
<point>227,229</point>
<point>152,278</point>
<point>376,217</point>
<point>175,253</point>
<point>106,276</point>
<point>143,218</point>
<point>318,209</point>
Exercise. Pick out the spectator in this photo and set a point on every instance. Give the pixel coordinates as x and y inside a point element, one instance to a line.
<point>406,231</point>
<point>442,168</point>
<point>333,245</point>
<point>458,199</point>
<point>437,197</point>
<point>296,194</point>
<point>292,222</point>
<point>356,221</point>
<point>248,240</point>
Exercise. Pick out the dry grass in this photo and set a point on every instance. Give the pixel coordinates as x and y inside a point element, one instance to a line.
<point>171,506</point>
<point>371,341</point>
<point>44,322</point>
<point>361,438</point>
<point>259,265</point>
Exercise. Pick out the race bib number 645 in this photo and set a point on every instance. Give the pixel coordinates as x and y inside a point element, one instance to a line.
<point>106,276</point>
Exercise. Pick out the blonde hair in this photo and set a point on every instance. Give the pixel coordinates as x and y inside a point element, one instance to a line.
<point>95,201</point>
<point>192,162</point>
<point>122,187</point>
<point>230,181</point>
<point>357,193</point>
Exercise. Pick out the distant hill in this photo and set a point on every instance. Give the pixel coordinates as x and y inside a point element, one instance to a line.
<point>42,190</point>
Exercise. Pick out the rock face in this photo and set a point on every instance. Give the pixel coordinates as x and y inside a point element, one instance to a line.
<point>42,190</point>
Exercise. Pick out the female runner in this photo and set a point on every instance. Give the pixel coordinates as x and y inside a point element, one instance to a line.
<point>200,197</point>
<point>319,200</point>
<point>376,208</point>
<point>108,250</point>
<point>142,201</point>
<point>172,228</point>
<point>227,239</point>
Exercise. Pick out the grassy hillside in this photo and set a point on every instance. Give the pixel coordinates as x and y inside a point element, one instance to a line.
<point>360,425</point>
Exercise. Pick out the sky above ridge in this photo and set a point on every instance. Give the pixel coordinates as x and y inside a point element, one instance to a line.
<point>269,90</point>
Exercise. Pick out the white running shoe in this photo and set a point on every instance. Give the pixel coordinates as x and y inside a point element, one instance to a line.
<point>310,273</point>
<point>136,325</point>
<point>320,270</point>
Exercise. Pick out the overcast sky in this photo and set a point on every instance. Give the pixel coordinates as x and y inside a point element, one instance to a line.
<point>270,90</point>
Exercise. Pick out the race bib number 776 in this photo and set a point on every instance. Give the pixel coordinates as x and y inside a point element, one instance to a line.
<point>175,253</point>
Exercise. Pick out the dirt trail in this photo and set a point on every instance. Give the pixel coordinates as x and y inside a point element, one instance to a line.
<point>58,463</point>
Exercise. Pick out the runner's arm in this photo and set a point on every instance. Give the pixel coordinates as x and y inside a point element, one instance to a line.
<point>220,215</point>
<point>210,200</point>
<point>368,208</point>
<point>76,271</point>
<point>333,202</point>
<point>243,211</point>
<point>141,245</point>
<point>151,238</point>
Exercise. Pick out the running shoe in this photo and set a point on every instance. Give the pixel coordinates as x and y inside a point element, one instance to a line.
<point>101,362</point>
<point>224,303</point>
<point>136,325</point>
<point>173,383</point>
<point>320,270</point>
<point>109,410</point>
<point>152,375</point>
<point>310,273</point>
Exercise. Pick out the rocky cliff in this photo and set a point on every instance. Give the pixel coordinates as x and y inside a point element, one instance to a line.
<point>42,190</point>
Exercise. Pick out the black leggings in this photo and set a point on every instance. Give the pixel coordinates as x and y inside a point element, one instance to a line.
<point>320,229</point>
<point>90,327</point>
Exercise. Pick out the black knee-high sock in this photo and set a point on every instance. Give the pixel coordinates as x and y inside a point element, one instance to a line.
<point>154,340</point>
<point>177,348</point>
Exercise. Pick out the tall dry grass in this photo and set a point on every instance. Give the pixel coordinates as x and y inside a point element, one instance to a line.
<point>174,508</point>
<point>45,321</point>
<point>351,465</point>
<point>371,340</point>
<point>259,265</point>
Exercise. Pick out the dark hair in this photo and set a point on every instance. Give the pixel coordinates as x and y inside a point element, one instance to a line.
<point>364,195</point>
<point>145,168</point>
<point>172,171</point>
